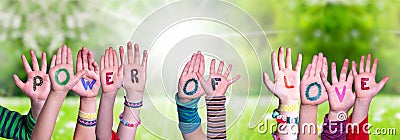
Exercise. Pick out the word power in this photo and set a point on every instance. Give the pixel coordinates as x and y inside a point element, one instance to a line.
<point>196,85</point>
<point>134,73</point>
<point>286,84</point>
<point>66,79</point>
<point>36,82</point>
<point>364,83</point>
<point>308,91</point>
<point>340,95</point>
<point>108,78</point>
<point>87,84</point>
<point>214,81</point>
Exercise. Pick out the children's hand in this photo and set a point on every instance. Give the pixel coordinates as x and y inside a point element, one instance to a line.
<point>286,82</point>
<point>37,87</point>
<point>217,83</point>
<point>134,72</point>
<point>340,94</point>
<point>62,71</point>
<point>189,86</point>
<point>311,88</point>
<point>89,84</point>
<point>111,73</point>
<point>365,86</point>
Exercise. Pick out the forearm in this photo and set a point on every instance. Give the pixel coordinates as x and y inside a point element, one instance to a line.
<point>216,117</point>
<point>36,107</point>
<point>308,122</point>
<point>360,111</point>
<point>48,116</point>
<point>130,115</point>
<point>105,116</point>
<point>288,129</point>
<point>87,105</point>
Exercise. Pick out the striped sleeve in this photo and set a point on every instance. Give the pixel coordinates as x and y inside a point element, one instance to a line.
<point>216,117</point>
<point>14,125</point>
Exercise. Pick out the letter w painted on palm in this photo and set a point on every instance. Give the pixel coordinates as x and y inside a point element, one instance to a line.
<point>87,84</point>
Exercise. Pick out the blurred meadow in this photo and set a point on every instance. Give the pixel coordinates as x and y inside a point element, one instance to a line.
<point>338,28</point>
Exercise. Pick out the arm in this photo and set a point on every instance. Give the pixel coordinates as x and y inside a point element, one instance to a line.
<point>286,87</point>
<point>215,88</point>
<point>188,95</point>
<point>87,89</point>
<point>134,85</point>
<point>111,76</point>
<point>341,99</point>
<point>312,93</point>
<point>62,80</point>
<point>16,126</point>
<point>366,88</point>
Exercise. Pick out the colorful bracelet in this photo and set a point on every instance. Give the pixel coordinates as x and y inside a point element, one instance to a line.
<point>121,119</point>
<point>137,105</point>
<point>87,116</point>
<point>284,119</point>
<point>289,108</point>
<point>87,123</point>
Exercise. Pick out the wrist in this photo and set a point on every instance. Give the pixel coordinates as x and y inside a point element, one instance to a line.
<point>288,102</point>
<point>365,101</point>
<point>333,115</point>
<point>134,96</point>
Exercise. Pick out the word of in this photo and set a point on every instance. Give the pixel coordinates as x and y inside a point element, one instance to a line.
<point>196,85</point>
<point>364,83</point>
<point>134,73</point>
<point>308,91</point>
<point>87,84</point>
<point>66,79</point>
<point>36,82</point>
<point>286,84</point>
<point>214,81</point>
<point>108,78</point>
<point>340,95</point>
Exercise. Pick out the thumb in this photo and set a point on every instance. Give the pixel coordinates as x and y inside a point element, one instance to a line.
<point>18,82</point>
<point>202,82</point>
<point>268,82</point>
<point>121,72</point>
<point>77,78</point>
<point>324,80</point>
<point>382,83</point>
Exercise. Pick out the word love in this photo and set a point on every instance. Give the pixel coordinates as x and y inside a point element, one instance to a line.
<point>37,81</point>
<point>134,73</point>
<point>196,86</point>
<point>364,83</point>
<point>214,82</point>
<point>58,72</point>
<point>87,84</point>
<point>286,83</point>
<point>108,78</point>
<point>313,98</point>
<point>340,95</point>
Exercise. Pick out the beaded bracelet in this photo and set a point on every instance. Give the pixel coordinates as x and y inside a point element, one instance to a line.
<point>87,123</point>
<point>284,119</point>
<point>121,119</point>
<point>137,105</point>
<point>87,116</point>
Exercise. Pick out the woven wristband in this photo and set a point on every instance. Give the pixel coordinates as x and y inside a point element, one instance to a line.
<point>87,116</point>
<point>289,108</point>
<point>133,105</point>
<point>216,117</point>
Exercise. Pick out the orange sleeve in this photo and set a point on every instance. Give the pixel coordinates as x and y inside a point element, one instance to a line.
<point>357,133</point>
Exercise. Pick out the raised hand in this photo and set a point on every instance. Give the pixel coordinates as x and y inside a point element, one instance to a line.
<point>134,73</point>
<point>340,94</point>
<point>217,83</point>
<point>111,72</point>
<point>286,82</point>
<point>364,81</point>
<point>89,84</point>
<point>188,87</point>
<point>62,71</point>
<point>311,87</point>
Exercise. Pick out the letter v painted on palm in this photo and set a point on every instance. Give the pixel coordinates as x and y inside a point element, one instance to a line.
<point>340,95</point>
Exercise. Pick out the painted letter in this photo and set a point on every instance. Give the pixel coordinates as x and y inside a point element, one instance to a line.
<point>36,82</point>
<point>134,73</point>
<point>196,85</point>
<point>66,79</point>
<point>286,84</point>
<point>108,78</point>
<point>87,84</point>
<point>364,83</point>
<point>316,97</point>
<point>340,95</point>
<point>214,81</point>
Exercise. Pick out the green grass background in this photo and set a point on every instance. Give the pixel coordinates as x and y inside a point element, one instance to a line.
<point>384,113</point>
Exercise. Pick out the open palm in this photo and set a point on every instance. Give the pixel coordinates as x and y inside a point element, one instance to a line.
<point>134,72</point>
<point>311,87</point>
<point>189,86</point>
<point>111,72</point>
<point>89,85</point>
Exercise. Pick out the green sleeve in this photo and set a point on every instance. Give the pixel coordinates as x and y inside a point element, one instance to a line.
<point>13,125</point>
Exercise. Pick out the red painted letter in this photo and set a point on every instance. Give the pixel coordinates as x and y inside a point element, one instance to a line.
<point>363,83</point>
<point>286,84</point>
<point>108,78</point>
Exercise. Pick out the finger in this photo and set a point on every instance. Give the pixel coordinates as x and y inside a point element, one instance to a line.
<point>288,58</point>
<point>228,71</point>
<point>350,78</point>
<point>197,63</point>
<point>281,61</point>
<point>374,66</point>
<point>233,80</point>
<point>121,72</point>
<point>270,85</point>
<point>18,82</point>
<point>298,63</point>
<point>102,64</point>
<point>368,65</point>
<point>144,59</point>
<point>202,81</point>
<point>307,72</point>
<point>111,57</point>
<point>35,63</point>
<point>53,61</point>
<point>202,67</point>
<point>186,69</point>
<point>115,58</point>
<point>274,63</point>
<point>192,61</point>
<point>85,58</point>
<point>343,73</point>
<point>137,55</point>
<point>77,78</point>
<point>319,63</point>
<point>122,55</point>
<point>69,59</point>
<point>362,64</point>
<point>64,54</point>
<point>333,73</point>
<point>44,62</point>
<point>325,67</point>
<point>96,67</point>
<point>212,66</point>
<point>313,65</point>
<point>325,80</point>
<point>91,61</point>
<point>79,61</point>
<point>58,60</point>
<point>106,61</point>
<point>353,68</point>
<point>220,67</point>
<point>382,83</point>
<point>130,53</point>
<point>26,64</point>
